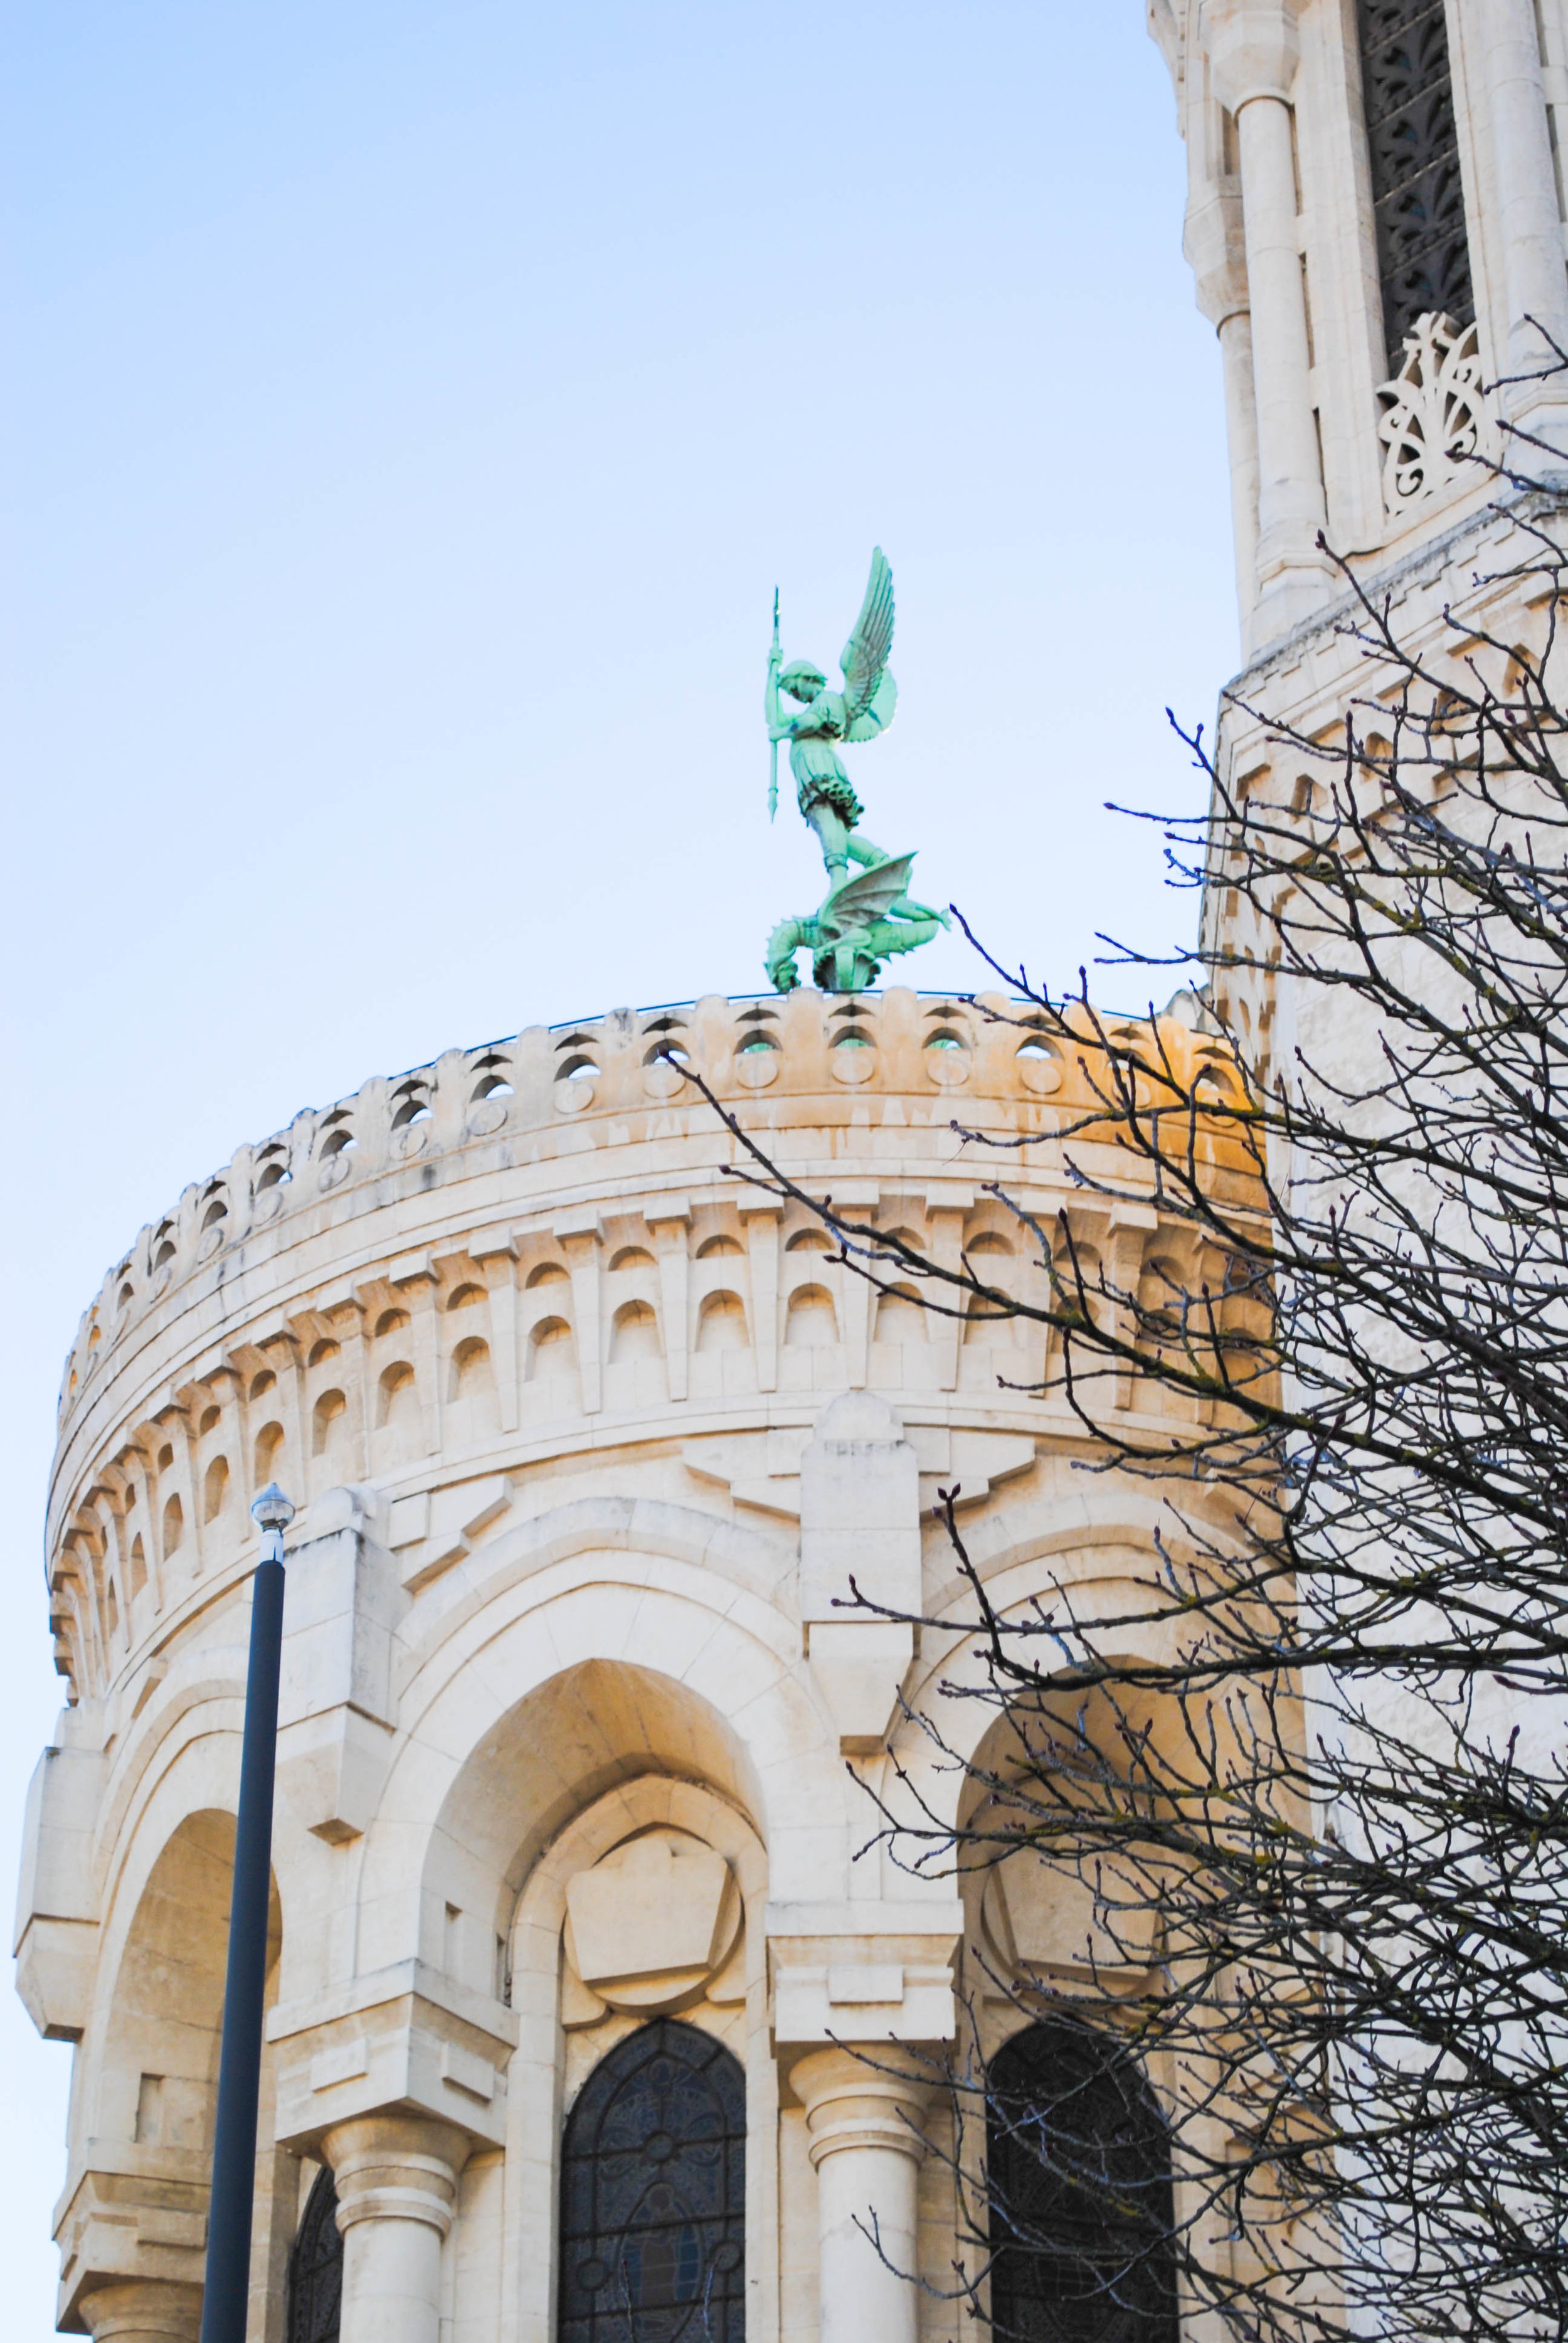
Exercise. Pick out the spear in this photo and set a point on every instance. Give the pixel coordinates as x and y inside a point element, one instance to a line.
<point>772,711</point>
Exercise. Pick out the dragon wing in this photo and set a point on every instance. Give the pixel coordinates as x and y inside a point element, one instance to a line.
<point>869,895</point>
<point>869,692</point>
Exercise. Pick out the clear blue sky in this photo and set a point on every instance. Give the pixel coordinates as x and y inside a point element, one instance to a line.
<point>409,411</point>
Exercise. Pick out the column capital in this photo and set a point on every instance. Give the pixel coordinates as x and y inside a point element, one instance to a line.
<point>396,2168</point>
<point>141,2311</point>
<point>855,2098</point>
<point>1253,47</point>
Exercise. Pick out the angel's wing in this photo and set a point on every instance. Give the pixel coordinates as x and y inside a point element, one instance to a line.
<point>869,895</point>
<point>864,657</point>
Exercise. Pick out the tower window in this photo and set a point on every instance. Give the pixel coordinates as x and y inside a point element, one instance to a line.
<point>1418,202</point>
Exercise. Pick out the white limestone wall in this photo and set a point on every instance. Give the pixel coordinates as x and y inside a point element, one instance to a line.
<point>587,1437</point>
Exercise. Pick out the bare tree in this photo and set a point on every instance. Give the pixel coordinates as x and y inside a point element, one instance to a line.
<point>1319,1821</point>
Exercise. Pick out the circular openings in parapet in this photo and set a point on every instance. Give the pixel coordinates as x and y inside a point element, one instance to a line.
<point>575,1073</point>
<point>757,1052</point>
<point>163,1246</point>
<point>947,1057</point>
<point>391,1321</point>
<point>1219,1078</point>
<point>1039,1064</point>
<point>215,1211</point>
<point>274,1172</point>
<point>492,1088</point>
<point>128,1294</point>
<point>338,1141</point>
<point>757,1058</point>
<point>851,1056</point>
<point>494,1080</point>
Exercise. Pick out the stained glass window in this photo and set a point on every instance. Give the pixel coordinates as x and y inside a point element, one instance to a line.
<point>315,2268</point>
<point>1418,202</point>
<point>1078,2165</point>
<point>653,2194</point>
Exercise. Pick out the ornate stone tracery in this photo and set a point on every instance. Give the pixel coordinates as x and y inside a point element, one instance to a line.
<point>1435,426</point>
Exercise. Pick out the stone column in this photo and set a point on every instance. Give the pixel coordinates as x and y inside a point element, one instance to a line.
<point>142,2311</point>
<point>1235,333</point>
<point>1214,240</point>
<point>1252,50</point>
<point>1536,277</point>
<point>397,2182</point>
<point>865,2145</point>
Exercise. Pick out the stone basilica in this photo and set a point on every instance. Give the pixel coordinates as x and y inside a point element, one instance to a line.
<point>586,1436</point>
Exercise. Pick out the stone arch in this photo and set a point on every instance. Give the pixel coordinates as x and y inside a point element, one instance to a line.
<point>154,2043</point>
<point>158,2077</point>
<point>811,1323</point>
<point>1090,1572</point>
<point>565,1745</point>
<point>473,1407</point>
<point>721,1697</point>
<point>722,1323</point>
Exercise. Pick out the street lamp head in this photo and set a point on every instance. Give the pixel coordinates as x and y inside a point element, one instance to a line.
<point>272,1510</point>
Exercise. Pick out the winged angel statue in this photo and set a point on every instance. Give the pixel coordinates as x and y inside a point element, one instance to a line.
<point>866,917</point>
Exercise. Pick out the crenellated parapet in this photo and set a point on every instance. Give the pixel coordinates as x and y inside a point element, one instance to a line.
<point>527,1252</point>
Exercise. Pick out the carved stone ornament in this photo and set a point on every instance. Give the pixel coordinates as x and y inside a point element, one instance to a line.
<point>652,1921</point>
<point>1435,424</point>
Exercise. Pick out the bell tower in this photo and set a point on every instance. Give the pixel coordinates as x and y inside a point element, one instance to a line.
<point>1375,219</point>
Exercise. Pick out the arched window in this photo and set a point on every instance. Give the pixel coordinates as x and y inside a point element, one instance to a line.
<point>315,2268</point>
<point>653,2194</point>
<point>1079,2163</point>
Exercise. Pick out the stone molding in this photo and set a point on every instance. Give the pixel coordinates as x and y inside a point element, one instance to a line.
<point>404,2041</point>
<point>876,1972</point>
<point>131,2219</point>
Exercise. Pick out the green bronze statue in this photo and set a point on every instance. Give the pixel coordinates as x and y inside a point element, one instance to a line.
<point>866,917</point>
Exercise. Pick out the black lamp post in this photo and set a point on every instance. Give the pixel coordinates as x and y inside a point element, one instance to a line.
<point>223,2299</point>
